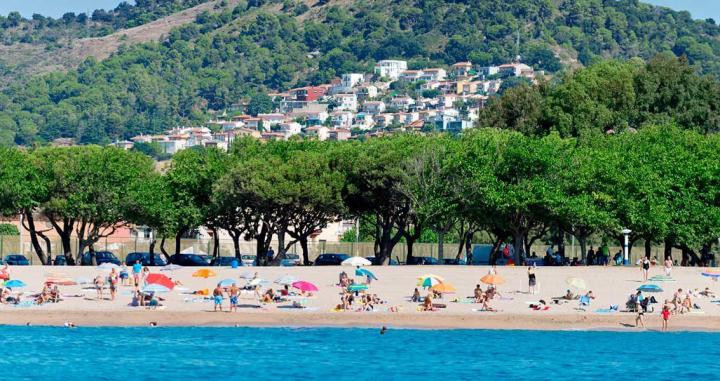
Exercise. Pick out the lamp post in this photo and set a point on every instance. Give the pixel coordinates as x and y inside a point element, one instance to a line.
<point>626,244</point>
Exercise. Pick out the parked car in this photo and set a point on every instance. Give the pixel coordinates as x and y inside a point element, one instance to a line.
<point>59,260</point>
<point>190,259</point>
<point>330,259</point>
<point>248,260</point>
<point>16,260</point>
<point>454,261</point>
<point>100,258</point>
<point>144,259</point>
<point>224,261</point>
<point>290,260</point>
<point>375,262</point>
<point>422,261</point>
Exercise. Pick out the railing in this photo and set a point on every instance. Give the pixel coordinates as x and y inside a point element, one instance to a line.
<point>121,248</point>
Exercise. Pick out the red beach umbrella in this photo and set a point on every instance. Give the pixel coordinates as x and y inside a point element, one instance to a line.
<point>161,280</point>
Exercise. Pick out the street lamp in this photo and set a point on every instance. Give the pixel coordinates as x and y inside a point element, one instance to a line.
<point>626,244</point>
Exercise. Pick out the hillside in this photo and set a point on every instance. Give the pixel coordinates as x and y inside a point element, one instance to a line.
<point>224,51</point>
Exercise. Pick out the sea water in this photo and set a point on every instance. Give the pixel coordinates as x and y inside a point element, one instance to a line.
<point>177,353</point>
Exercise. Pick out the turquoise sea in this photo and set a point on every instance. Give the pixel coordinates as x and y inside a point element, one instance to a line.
<point>49,353</point>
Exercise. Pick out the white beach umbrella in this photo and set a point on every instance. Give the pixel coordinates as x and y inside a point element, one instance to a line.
<point>356,261</point>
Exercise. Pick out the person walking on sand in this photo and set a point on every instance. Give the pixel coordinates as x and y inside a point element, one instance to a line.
<point>645,263</point>
<point>532,281</point>
<point>668,266</point>
<point>136,269</point>
<point>218,297</point>
<point>99,285</point>
<point>665,317</point>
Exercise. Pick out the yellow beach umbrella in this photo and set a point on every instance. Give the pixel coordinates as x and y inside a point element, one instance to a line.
<point>204,273</point>
<point>492,279</point>
<point>576,282</point>
<point>445,288</point>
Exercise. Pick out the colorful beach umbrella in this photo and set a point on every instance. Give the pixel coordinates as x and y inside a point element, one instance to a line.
<point>710,272</point>
<point>365,272</point>
<point>160,279</point>
<point>492,279</point>
<point>286,280</point>
<point>227,282</point>
<point>61,281</point>
<point>445,288</point>
<point>650,288</point>
<point>356,261</point>
<point>155,288</point>
<point>357,287</point>
<point>15,283</point>
<point>576,283</point>
<point>204,273</point>
<point>430,282</point>
<point>305,286</point>
<point>438,277</point>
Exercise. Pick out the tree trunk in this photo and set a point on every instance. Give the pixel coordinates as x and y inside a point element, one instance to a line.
<point>495,248</point>
<point>178,242</point>
<point>66,241</point>
<point>30,227</point>
<point>162,248</point>
<point>582,240</point>
<point>305,252</point>
<point>441,245</point>
<point>216,243</point>
<point>236,243</point>
<point>648,248</point>
<point>151,250</point>
<point>667,252</point>
<point>519,244</point>
<point>468,246</point>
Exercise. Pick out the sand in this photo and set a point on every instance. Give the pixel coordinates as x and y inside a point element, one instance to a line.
<point>611,285</point>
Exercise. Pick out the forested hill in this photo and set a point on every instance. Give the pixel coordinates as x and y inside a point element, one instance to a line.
<point>235,49</point>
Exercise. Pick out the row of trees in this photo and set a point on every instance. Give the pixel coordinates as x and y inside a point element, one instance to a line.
<point>663,183</point>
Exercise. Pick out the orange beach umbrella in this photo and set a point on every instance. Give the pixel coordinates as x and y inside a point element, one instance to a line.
<point>492,279</point>
<point>204,273</point>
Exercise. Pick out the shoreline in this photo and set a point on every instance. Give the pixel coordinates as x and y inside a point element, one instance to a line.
<point>440,321</point>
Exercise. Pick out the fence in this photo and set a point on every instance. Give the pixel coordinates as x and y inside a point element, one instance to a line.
<point>11,245</point>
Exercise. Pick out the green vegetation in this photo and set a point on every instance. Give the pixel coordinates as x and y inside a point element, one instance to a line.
<point>661,182</point>
<point>9,229</point>
<point>231,55</point>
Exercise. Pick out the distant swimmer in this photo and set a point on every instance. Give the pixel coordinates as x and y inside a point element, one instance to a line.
<point>153,324</point>
<point>382,330</point>
<point>70,325</point>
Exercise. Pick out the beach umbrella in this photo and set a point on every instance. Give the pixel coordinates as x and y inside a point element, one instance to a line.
<point>305,286</point>
<point>15,283</point>
<point>286,280</point>
<point>438,277</point>
<point>356,261</point>
<point>713,273</point>
<point>357,287</point>
<point>204,273</point>
<point>160,279</point>
<point>430,282</point>
<point>61,281</point>
<point>227,282</point>
<point>576,282</point>
<point>492,279</point>
<point>155,288</point>
<point>650,288</point>
<point>445,288</point>
<point>365,272</point>
<point>108,266</point>
<point>171,267</point>
<point>258,282</point>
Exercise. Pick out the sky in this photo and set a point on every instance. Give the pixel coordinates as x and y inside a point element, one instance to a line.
<point>55,8</point>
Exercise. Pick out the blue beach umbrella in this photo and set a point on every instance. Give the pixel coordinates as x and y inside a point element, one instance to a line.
<point>227,282</point>
<point>364,272</point>
<point>15,283</point>
<point>650,288</point>
<point>155,288</point>
<point>357,287</point>
<point>286,280</point>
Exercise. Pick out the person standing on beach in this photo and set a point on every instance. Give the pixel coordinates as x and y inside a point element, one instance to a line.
<point>112,282</point>
<point>604,255</point>
<point>645,263</point>
<point>233,294</point>
<point>668,266</point>
<point>99,285</point>
<point>218,297</point>
<point>665,317</point>
<point>136,269</point>
<point>532,281</point>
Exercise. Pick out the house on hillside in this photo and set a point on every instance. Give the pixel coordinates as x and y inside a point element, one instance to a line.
<point>462,69</point>
<point>390,68</point>
<point>374,107</point>
<point>402,103</point>
<point>433,74</point>
<point>410,75</point>
<point>346,102</point>
<point>318,132</point>
<point>517,69</point>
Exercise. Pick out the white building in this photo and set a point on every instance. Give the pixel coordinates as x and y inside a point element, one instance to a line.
<point>402,103</point>
<point>341,119</point>
<point>351,80</point>
<point>374,107</point>
<point>390,68</point>
<point>346,102</point>
<point>434,74</point>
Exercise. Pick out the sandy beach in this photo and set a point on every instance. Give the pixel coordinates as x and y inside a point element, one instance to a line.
<point>611,285</point>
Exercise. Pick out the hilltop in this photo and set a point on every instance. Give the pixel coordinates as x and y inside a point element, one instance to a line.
<point>178,68</point>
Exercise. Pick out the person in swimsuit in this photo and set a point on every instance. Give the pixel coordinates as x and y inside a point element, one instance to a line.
<point>113,281</point>
<point>668,266</point>
<point>99,286</point>
<point>665,317</point>
<point>640,318</point>
<point>532,281</point>
<point>645,268</point>
<point>136,269</point>
<point>233,293</point>
<point>218,297</point>
<point>124,276</point>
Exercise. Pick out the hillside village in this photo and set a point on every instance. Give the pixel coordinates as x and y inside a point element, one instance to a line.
<point>358,105</point>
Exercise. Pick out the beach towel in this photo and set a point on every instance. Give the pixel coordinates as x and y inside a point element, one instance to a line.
<point>605,310</point>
